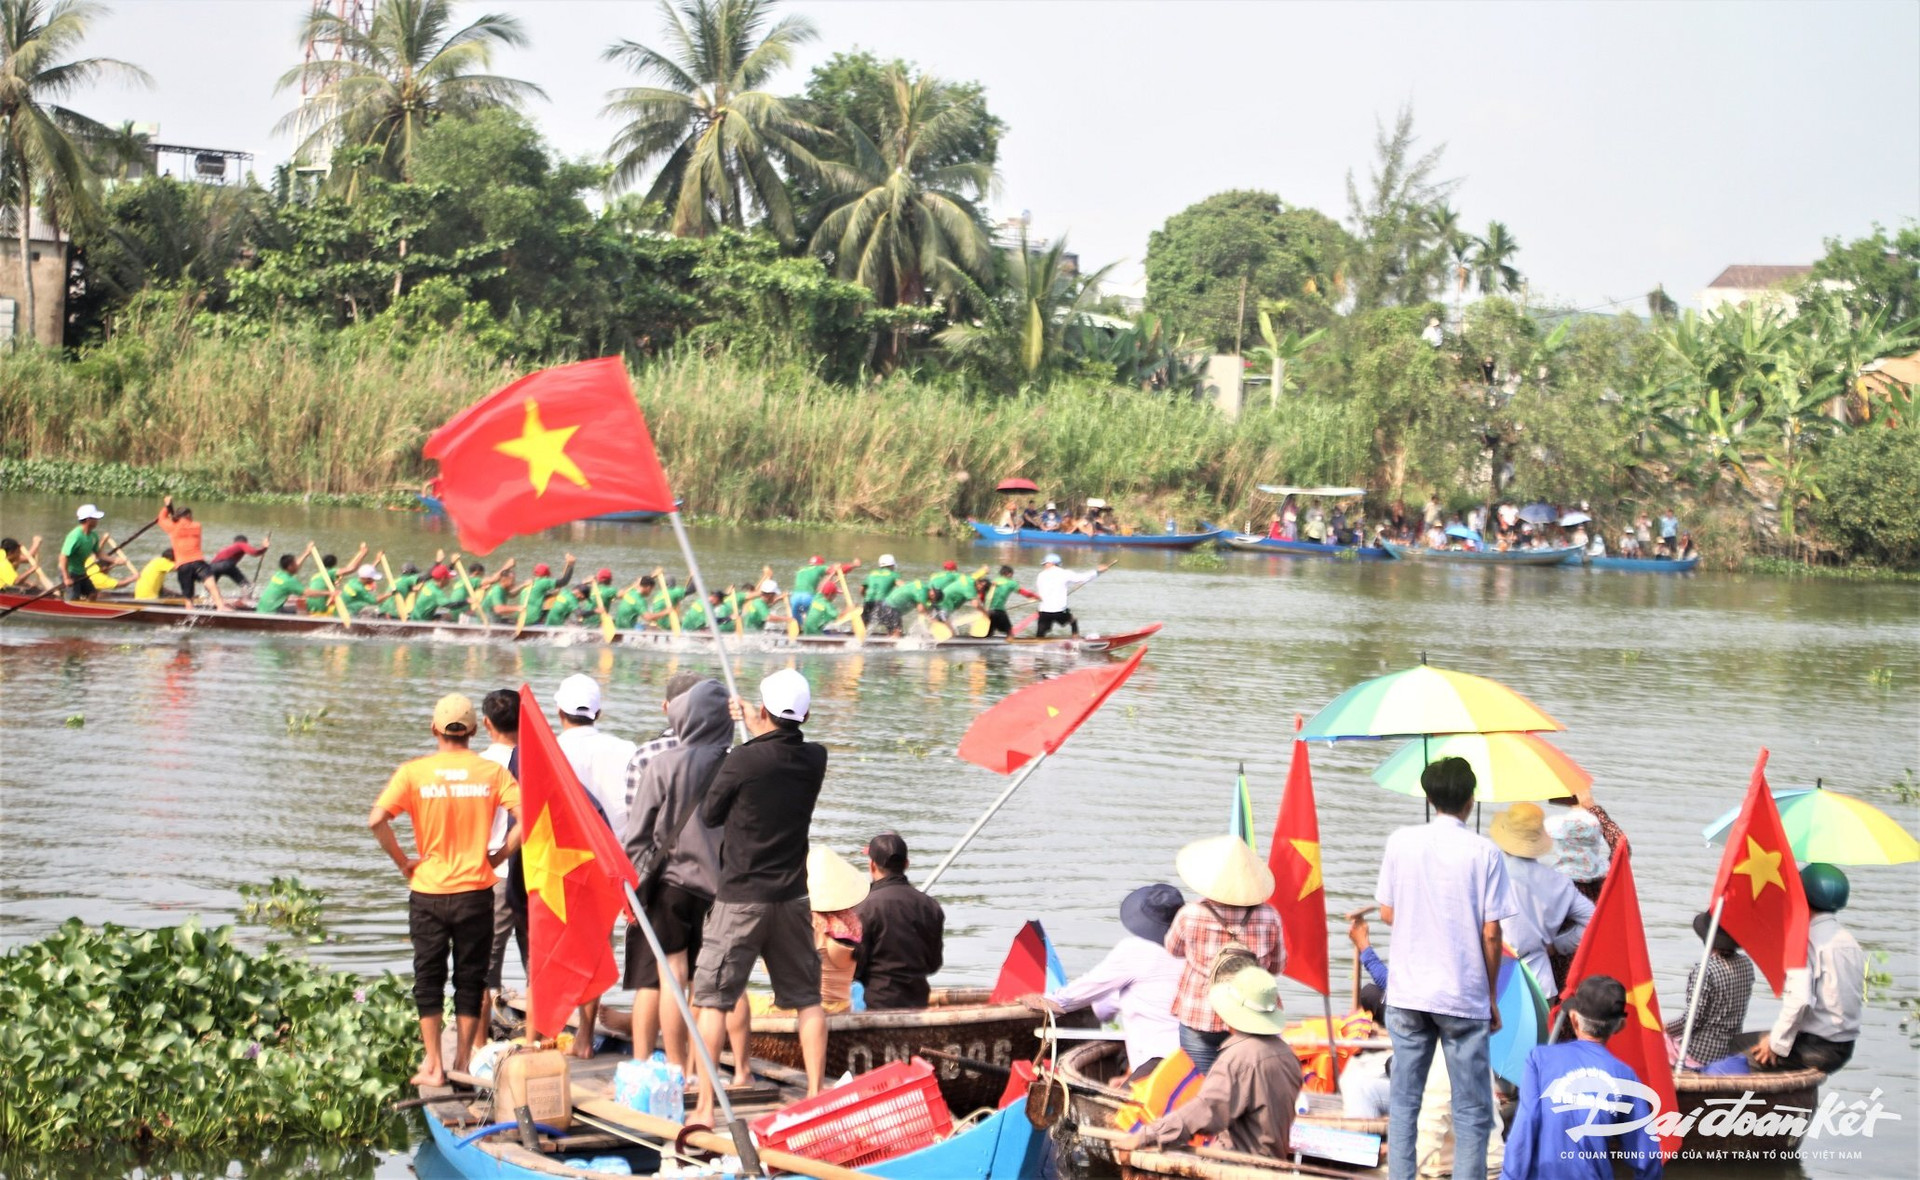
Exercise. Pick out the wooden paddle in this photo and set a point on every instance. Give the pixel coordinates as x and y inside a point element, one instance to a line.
<point>259,560</point>
<point>793,624</point>
<point>473,592</point>
<point>333,592</point>
<point>607,629</point>
<point>853,608</point>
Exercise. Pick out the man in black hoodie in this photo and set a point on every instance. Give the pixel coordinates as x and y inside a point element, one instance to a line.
<point>663,821</point>
<point>763,799</point>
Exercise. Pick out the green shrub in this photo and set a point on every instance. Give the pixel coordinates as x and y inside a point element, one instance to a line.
<point>1872,486</point>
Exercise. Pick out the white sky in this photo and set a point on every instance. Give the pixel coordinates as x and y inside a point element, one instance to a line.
<point>1624,144</point>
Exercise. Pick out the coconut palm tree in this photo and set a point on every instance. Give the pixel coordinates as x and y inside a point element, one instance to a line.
<point>408,67</point>
<point>720,136</point>
<point>1025,330</point>
<point>1493,269</point>
<point>43,143</point>
<point>901,226</point>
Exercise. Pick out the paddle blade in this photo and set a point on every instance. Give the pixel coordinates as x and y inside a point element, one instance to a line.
<point>941,632</point>
<point>1038,718</point>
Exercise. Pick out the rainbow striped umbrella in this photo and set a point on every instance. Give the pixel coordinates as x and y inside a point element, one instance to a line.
<point>1839,829</point>
<point>1508,767</point>
<point>1426,702</point>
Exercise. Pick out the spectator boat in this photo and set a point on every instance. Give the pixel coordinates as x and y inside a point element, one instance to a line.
<point>1056,540</point>
<point>1255,543</point>
<point>1558,556</point>
<point>1642,565</point>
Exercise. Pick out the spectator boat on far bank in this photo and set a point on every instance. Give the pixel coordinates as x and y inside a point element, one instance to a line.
<point>1556,556</point>
<point>1059,540</point>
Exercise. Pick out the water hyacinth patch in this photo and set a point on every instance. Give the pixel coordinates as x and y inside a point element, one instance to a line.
<point>176,1036</point>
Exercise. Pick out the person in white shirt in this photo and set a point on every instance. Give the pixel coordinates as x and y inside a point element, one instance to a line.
<point>1820,1007</point>
<point>1053,584</point>
<point>1136,981</point>
<point>599,761</point>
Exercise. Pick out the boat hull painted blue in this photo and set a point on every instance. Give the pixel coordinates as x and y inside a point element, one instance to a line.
<point>1561,556</point>
<point>433,507</point>
<point>1041,537</point>
<point>1643,565</point>
<point>1248,543</point>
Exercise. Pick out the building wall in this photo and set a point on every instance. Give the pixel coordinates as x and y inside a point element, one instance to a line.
<point>1712,299</point>
<point>49,288</point>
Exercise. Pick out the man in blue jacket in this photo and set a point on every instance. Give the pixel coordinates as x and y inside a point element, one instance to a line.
<point>1575,1093</point>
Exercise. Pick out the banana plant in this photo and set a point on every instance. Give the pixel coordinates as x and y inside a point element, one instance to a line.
<point>1280,349</point>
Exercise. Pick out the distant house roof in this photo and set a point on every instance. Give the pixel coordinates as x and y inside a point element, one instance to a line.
<point>1757,278</point>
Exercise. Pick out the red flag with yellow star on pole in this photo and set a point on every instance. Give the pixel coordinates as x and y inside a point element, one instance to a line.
<point>1765,908</point>
<point>1615,944</point>
<point>576,876</point>
<point>1299,895</point>
<point>558,445</point>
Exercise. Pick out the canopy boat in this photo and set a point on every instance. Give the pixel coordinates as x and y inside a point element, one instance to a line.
<point>1255,543</point>
<point>1056,540</point>
<point>433,507</point>
<point>175,613</point>
<point>1087,1124</point>
<point>1642,565</point>
<point>1565,553</point>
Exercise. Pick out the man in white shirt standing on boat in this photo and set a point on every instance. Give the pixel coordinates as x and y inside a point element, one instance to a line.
<point>1053,584</point>
<point>599,761</point>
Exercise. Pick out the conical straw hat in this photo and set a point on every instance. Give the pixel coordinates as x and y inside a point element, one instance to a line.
<point>1224,869</point>
<point>832,882</point>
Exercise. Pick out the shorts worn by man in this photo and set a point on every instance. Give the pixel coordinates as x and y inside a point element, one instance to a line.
<point>451,797</point>
<point>762,799</point>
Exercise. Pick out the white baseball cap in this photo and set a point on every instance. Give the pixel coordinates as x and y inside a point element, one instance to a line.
<point>769,587</point>
<point>786,694</point>
<point>90,512</point>
<point>579,695</point>
<point>367,573</point>
<point>1050,559</point>
<point>886,559</point>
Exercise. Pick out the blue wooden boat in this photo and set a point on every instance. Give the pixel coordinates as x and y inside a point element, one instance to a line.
<point>1486,556</point>
<point>433,507</point>
<point>1643,565</point>
<point>1045,539</point>
<point>1254,543</point>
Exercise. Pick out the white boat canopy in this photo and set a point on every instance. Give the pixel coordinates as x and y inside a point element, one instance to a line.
<point>1274,489</point>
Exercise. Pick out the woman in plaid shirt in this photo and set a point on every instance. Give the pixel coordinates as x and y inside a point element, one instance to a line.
<point>1233,886</point>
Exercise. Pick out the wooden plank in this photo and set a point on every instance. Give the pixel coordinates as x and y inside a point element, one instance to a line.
<point>608,1111</point>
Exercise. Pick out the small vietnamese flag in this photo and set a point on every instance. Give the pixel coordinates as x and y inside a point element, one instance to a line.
<point>1035,720</point>
<point>575,871</point>
<point>1298,892</point>
<point>1615,944</point>
<point>555,446</point>
<point>1766,908</point>
<point>1031,966</point>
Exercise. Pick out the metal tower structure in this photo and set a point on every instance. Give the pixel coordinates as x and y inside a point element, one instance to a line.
<point>355,14</point>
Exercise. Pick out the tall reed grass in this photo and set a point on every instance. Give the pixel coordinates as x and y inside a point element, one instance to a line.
<point>298,411</point>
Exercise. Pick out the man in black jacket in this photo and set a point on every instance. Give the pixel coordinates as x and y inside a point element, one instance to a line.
<point>762,800</point>
<point>901,930</point>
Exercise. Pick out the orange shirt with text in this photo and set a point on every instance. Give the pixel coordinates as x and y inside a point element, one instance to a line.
<point>451,798</point>
<point>185,537</point>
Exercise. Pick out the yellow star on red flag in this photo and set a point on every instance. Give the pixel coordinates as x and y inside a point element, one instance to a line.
<point>545,451</point>
<point>1640,999</point>
<point>1309,851</point>
<point>1761,868</point>
<point>547,864</point>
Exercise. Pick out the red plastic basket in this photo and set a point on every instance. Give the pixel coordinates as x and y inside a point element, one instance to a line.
<point>876,1116</point>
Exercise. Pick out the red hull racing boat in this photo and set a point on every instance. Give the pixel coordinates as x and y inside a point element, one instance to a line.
<point>174,613</point>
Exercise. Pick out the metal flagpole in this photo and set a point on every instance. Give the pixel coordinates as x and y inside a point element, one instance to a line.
<point>1699,982</point>
<point>1333,1040</point>
<point>927,885</point>
<point>742,1135</point>
<point>713,624</point>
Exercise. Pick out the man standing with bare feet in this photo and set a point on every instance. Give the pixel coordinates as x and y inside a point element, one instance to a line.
<point>451,797</point>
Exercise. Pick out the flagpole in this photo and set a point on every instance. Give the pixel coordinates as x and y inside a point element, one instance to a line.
<point>713,624</point>
<point>1333,1038</point>
<point>927,885</point>
<point>742,1135</point>
<point>1699,982</point>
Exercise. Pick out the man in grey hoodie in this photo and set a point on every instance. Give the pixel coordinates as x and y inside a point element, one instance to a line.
<point>664,817</point>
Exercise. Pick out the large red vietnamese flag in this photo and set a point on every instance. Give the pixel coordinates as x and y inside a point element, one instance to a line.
<point>1765,908</point>
<point>1035,720</point>
<point>1615,944</point>
<point>555,446</point>
<point>1298,893</point>
<point>575,871</point>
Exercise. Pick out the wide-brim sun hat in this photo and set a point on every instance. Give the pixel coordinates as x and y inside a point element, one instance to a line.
<point>1224,869</point>
<point>1521,830</point>
<point>1249,1002</point>
<point>1148,911</point>
<point>1579,846</point>
<point>832,881</point>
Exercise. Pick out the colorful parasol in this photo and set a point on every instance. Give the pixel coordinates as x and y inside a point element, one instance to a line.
<point>1509,767</point>
<point>1839,829</point>
<point>1016,485</point>
<point>1523,1018</point>
<point>1424,702</point>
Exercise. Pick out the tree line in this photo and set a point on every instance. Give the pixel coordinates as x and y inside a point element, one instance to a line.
<point>843,229</point>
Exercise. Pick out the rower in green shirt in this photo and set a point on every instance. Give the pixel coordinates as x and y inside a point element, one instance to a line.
<point>356,590</point>
<point>878,585</point>
<point>629,605</point>
<point>602,590</point>
<point>533,600</point>
<point>693,617</point>
<point>756,613</point>
<point>283,587</point>
<point>905,599</point>
<point>81,545</point>
<point>400,594</point>
<point>317,593</point>
<point>438,594</point>
<point>567,605</point>
<point>956,593</point>
<point>806,579</point>
<point>821,612</point>
<point>998,593</point>
<point>497,601</point>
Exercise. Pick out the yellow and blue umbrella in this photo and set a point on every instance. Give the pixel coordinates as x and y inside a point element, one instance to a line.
<point>1839,829</point>
<point>1508,767</point>
<point>1426,702</point>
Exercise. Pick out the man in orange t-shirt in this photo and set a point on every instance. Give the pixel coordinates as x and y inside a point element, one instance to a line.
<point>451,797</point>
<point>189,559</point>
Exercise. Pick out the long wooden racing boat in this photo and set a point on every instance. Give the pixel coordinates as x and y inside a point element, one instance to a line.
<point>1083,1123</point>
<point>1485,556</point>
<point>1254,543</point>
<point>1055,540</point>
<point>433,507</point>
<point>174,613</point>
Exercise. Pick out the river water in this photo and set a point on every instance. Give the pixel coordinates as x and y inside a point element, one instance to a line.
<point>187,779</point>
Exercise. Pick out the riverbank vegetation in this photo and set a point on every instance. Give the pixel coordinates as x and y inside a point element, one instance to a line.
<point>825,325</point>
